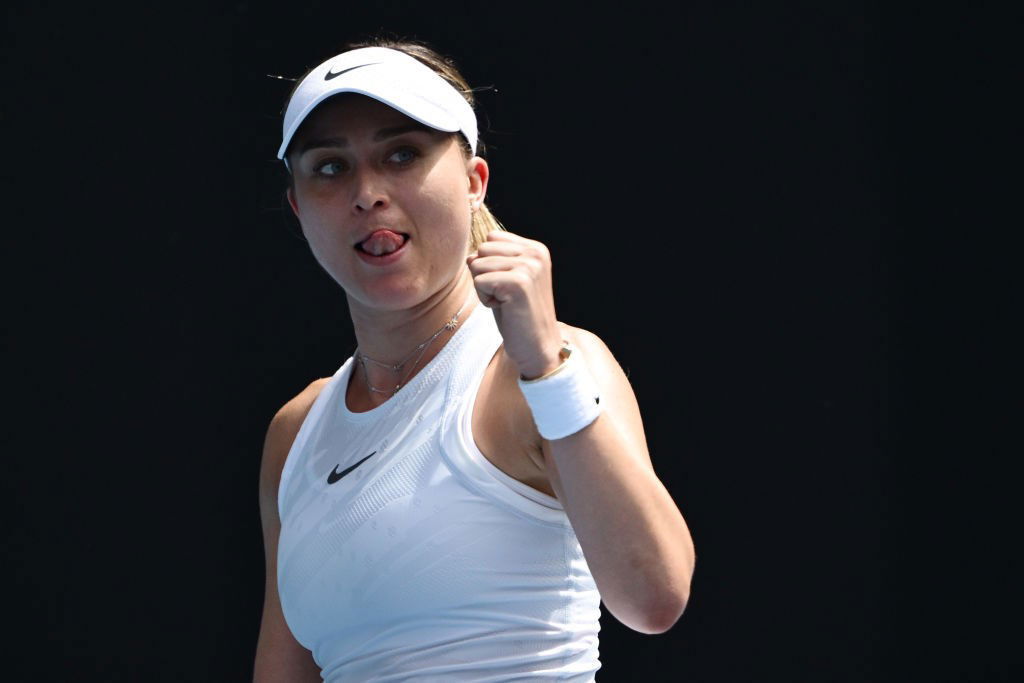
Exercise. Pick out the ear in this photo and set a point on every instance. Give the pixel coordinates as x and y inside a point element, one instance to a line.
<point>479,174</point>
<point>294,204</point>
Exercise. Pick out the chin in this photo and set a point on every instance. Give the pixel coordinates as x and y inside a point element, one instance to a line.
<point>399,291</point>
<point>388,296</point>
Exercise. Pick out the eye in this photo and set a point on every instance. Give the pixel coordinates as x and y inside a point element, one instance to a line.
<point>403,155</point>
<point>329,168</point>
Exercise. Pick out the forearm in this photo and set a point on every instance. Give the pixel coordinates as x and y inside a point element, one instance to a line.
<point>632,533</point>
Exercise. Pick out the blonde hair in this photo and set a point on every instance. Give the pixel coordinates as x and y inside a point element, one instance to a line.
<point>483,222</point>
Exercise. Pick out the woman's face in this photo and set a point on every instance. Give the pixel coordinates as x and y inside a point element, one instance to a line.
<point>385,202</point>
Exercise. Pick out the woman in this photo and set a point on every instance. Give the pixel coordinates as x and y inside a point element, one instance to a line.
<point>454,502</point>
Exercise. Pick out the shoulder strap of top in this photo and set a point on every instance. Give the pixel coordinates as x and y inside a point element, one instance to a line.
<point>459,447</point>
<point>478,347</point>
<point>312,420</point>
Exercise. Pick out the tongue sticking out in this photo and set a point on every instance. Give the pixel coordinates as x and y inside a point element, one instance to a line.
<point>382,242</point>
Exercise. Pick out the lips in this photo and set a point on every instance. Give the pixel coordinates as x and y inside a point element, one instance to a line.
<point>382,242</point>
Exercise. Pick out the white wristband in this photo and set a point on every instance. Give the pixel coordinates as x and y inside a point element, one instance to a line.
<point>565,400</point>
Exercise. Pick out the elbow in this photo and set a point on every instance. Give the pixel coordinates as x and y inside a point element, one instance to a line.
<point>658,615</point>
<point>654,601</point>
<point>664,616</point>
<point>667,605</point>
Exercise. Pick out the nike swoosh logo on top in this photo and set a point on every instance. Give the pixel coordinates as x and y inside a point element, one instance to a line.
<point>335,475</point>
<point>332,74</point>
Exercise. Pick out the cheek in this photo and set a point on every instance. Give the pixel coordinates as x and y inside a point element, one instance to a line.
<point>326,244</point>
<point>318,244</point>
<point>318,217</point>
<point>324,251</point>
<point>313,230</point>
<point>454,221</point>
<point>449,200</point>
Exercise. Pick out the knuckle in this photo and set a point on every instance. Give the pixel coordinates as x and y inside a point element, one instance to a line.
<point>521,278</point>
<point>536,249</point>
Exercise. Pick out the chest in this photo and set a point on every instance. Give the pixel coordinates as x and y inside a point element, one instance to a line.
<point>405,538</point>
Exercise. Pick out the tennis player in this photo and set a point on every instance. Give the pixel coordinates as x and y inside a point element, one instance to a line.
<point>456,500</point>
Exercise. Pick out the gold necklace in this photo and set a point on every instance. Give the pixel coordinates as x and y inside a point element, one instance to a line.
<point>421,348</point>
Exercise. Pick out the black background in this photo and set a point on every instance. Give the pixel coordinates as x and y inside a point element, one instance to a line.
<point>767,213</point>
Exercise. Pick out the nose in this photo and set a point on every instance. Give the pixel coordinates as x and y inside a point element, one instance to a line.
<point>369,192</point>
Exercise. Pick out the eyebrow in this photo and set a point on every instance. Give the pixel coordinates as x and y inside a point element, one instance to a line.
<point>382,134</point>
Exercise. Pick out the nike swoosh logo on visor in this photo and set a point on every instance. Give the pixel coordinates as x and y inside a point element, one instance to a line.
<point>332,74</point>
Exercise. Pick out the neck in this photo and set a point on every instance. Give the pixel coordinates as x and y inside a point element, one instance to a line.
<point>393,337</point>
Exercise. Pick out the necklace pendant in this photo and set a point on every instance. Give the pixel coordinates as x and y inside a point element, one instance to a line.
<point>420,349</point>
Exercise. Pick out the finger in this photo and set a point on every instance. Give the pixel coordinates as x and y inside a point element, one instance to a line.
<point>488,300</point>
<point>500,249</point>
<point>490,264</point>
<point>485,291</point>
<point>505,236</point>
<point>504,285</point>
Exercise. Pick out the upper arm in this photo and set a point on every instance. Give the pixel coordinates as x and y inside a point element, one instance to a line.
<point>618,402</point>
<point>279,657</point>
<point>618,405</point>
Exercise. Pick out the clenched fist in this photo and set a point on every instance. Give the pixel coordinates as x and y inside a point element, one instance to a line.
<point>512,276</point>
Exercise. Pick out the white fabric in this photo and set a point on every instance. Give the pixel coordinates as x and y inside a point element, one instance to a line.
<point>427,562</point>
<point>565,401</point>
<point>398,80</point>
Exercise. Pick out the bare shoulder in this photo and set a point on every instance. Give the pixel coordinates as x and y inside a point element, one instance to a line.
<point>281,433</point>
<point>599,358</point>
<point>585,340</point>
<point>600,362</point>
<point>618,401</point>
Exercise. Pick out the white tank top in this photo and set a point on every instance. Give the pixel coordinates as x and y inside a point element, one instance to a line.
<point>426,561</point>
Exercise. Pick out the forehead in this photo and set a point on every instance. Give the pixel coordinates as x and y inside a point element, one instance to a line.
<point>350,112</point>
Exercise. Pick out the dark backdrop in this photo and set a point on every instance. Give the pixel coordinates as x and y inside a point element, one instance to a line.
<point>722,189</point>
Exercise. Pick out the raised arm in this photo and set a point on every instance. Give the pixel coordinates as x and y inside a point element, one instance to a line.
<point>635,539</point>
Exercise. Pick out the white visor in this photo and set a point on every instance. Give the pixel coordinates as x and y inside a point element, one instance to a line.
<point>398,80</point>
